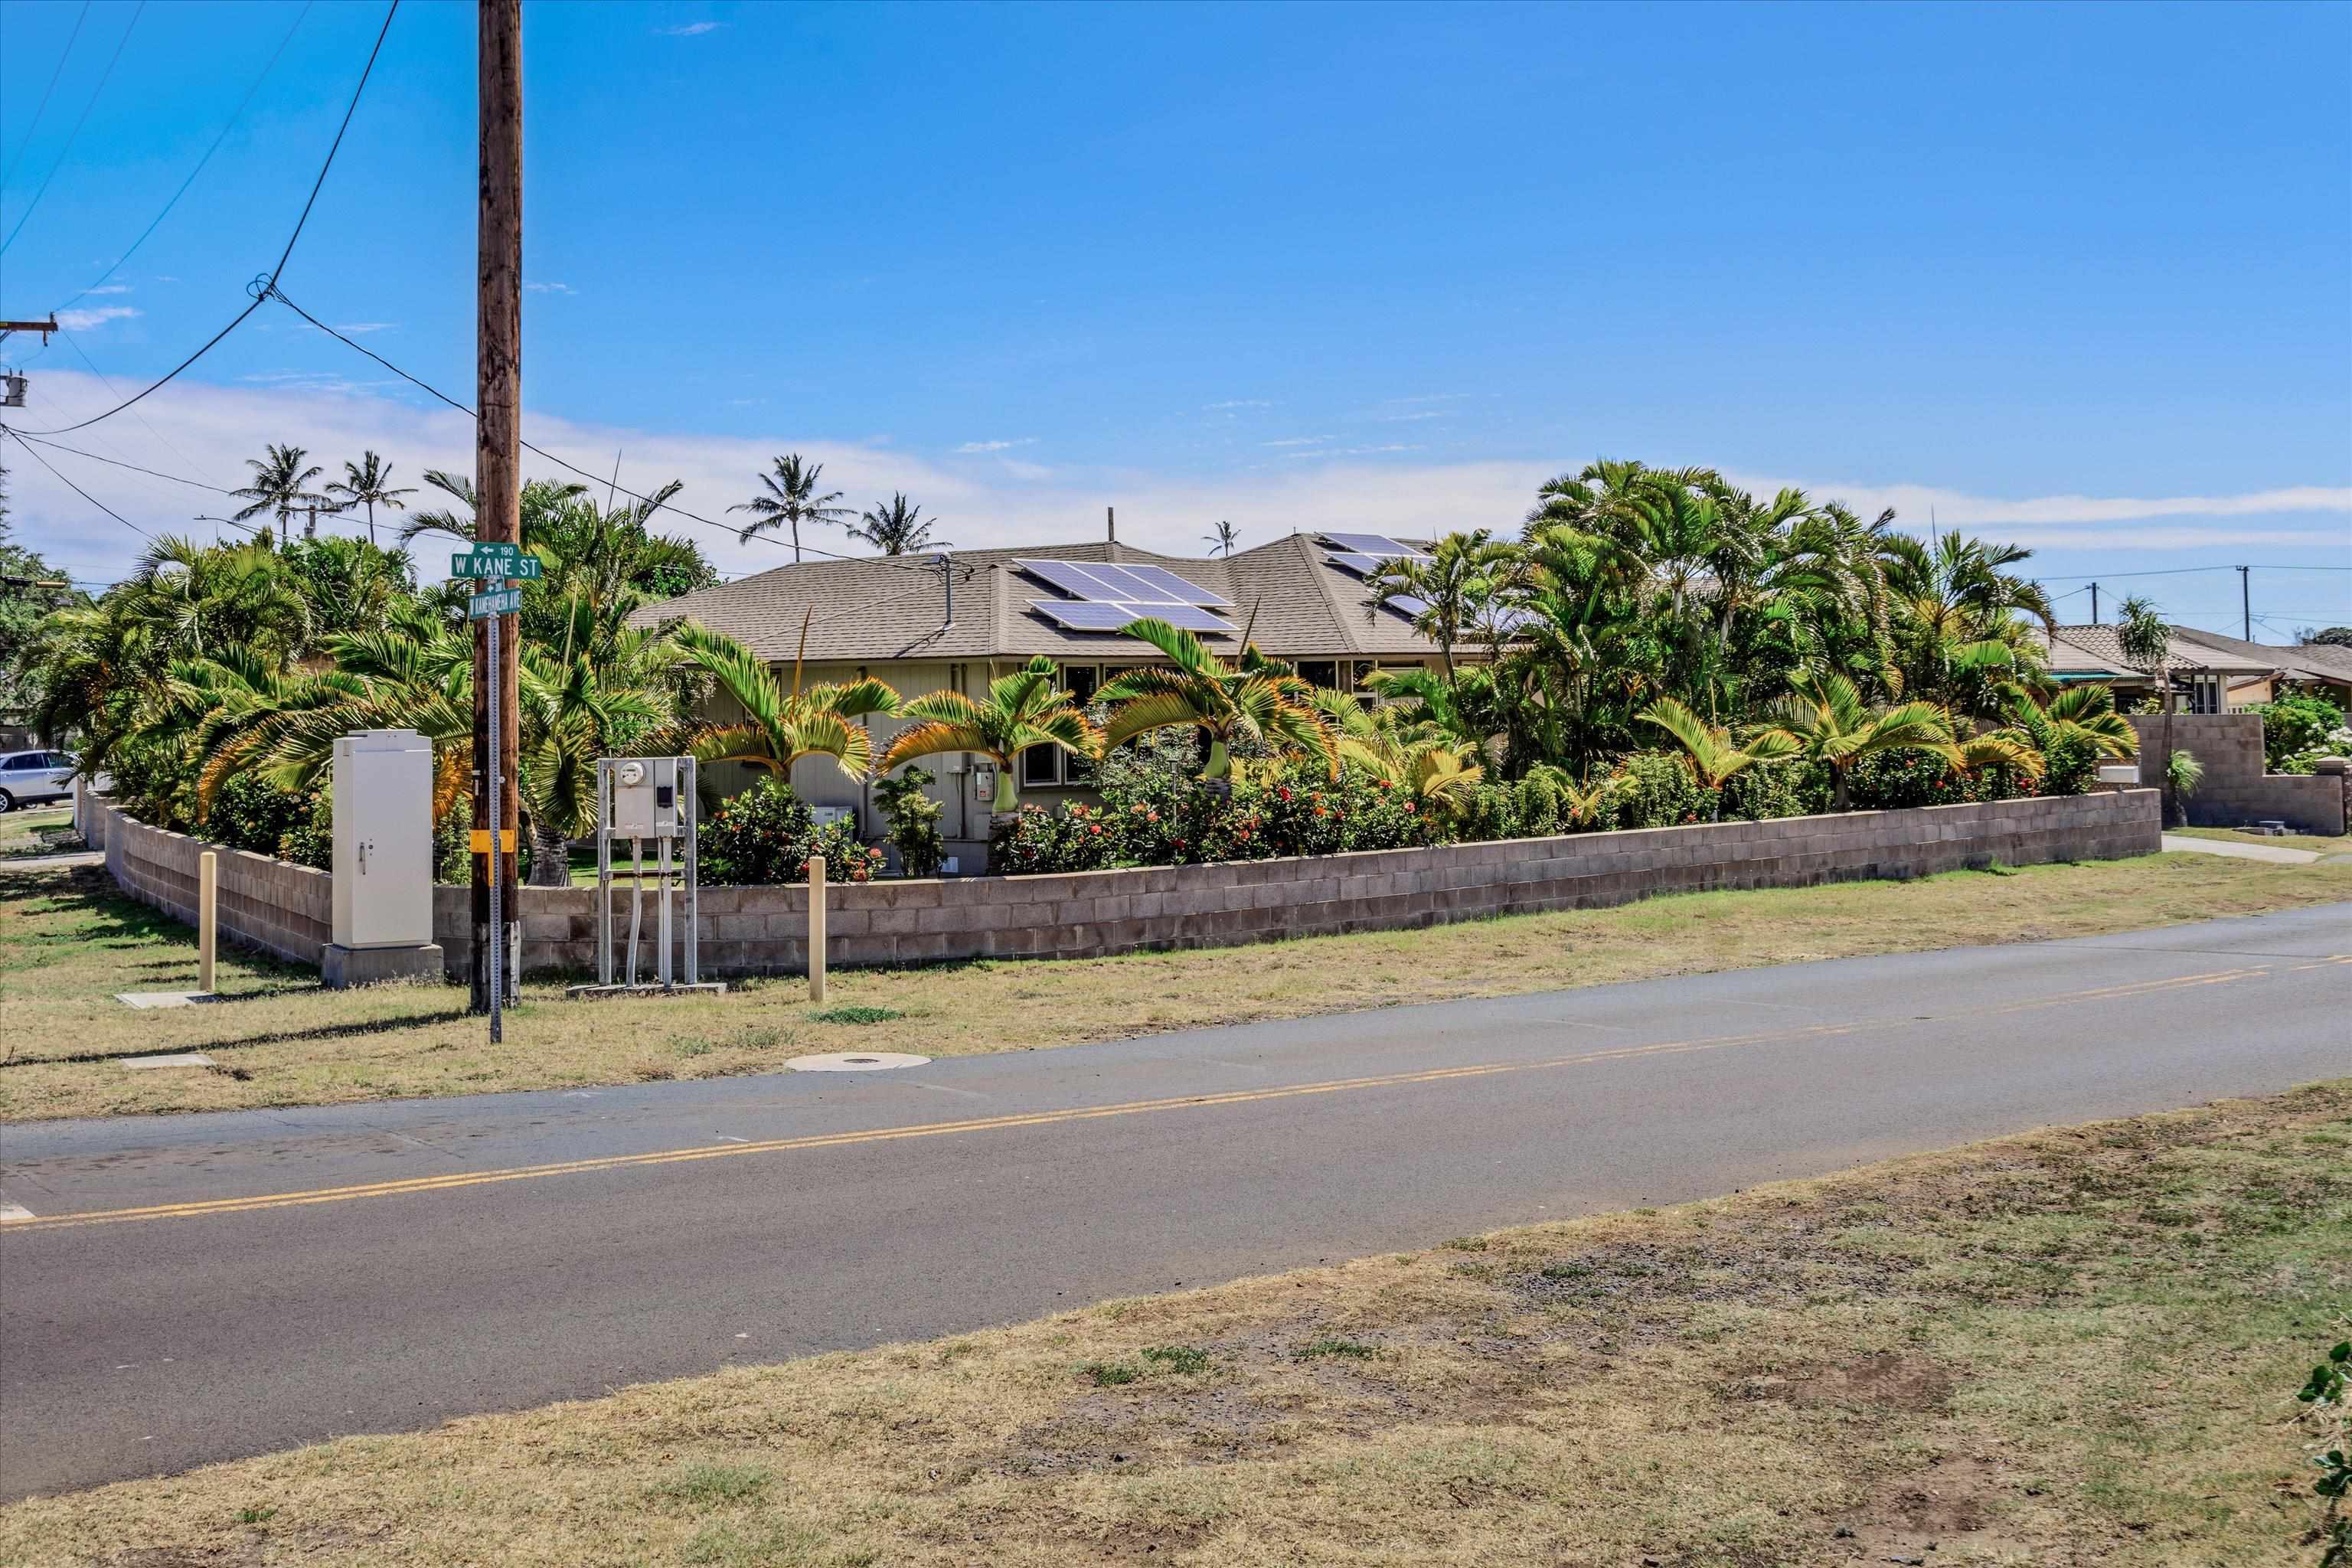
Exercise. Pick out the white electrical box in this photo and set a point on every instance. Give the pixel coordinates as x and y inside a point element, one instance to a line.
<point>644,798</point>
<point>983,780</point>
<point>826,815</point>
<point>2125,773</point>
<point>383,839</point>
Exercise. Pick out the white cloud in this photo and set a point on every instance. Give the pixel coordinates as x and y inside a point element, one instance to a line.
<point>971,449</point>
<point>98,316</point>
<point>1002,502</point>
<point>110,289</point>
<point>352,329</point>
<point>528,287</point>
<point>1423,414</point>
<point>689,30</point>
<point>1236,403</point>
<point>1295,441</point>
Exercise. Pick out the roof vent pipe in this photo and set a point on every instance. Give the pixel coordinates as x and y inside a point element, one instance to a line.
<point>1110,530</point>
<point>946,581</point>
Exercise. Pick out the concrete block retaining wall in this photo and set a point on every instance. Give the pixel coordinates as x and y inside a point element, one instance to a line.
<point>288,909</point>
<point>762,931</point>
<point>270,904</point>
<point>2236,791</point>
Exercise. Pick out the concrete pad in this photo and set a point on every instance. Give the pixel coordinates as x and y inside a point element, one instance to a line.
<point>164,998</point>
<point>177,1059</point>
<point>2236,851</point>
<point>856,1061</point>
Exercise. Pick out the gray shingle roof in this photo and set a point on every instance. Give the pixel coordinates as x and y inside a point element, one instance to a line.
<point>890,607</point>
<point>2098,650</point>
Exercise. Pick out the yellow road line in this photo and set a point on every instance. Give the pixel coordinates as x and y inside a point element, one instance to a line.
<point>454,1180</point>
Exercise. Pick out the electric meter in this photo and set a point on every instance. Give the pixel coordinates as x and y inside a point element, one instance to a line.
<point>644,798</point>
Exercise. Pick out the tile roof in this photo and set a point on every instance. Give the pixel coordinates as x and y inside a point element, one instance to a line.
<point>2319,662</point>
<point>2098,650</point>
<point>886,608</point>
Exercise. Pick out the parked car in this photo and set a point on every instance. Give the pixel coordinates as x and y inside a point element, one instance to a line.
<point>28,777</point>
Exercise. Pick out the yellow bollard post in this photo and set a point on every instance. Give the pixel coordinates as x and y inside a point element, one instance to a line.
<point>816,928</point>
<point>207,923</point>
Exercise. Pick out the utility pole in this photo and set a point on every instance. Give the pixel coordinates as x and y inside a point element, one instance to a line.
<point>2095,603</point>
<point>497,393</point>
<point>2245,607</point>
<point>11,390</point>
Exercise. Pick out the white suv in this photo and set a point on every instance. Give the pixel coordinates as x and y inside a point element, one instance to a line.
<point>29,776</point>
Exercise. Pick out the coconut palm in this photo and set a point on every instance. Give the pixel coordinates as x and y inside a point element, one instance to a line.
<point>1221,542</point>
<point>1454,583</point>
<point>2145,639</point>
<point>895,528</point>
<point>791,500</point>
<point>780,726</point>
<point>1713,757</point>
<point>277,487</point>
<point>1255,699</point>
<point>1826,718</point>
<point>365,483</point>
<point>1026,709</point>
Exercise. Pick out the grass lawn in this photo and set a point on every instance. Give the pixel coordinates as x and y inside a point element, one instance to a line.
<point>2317,842</point>
<point>28,832</point>
<point>68,942</point>
<point>2071,1348</point>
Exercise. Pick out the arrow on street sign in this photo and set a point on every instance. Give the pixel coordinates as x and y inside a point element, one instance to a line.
<point>497,601</point>
<point>486,561</point>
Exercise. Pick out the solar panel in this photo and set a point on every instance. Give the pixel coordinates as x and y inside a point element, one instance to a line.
<point>1367,545</point>
<point>1362,565</point>
<point>1408,606</point>
<point>1084,616</point>
<point>1191,617</point>
<point>1072,579</point>
<point>1185,592</point>
<point>1131,588</point>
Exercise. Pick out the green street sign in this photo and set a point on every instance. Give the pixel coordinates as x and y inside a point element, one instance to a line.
<point>496,560</point>
<point>498,602</point>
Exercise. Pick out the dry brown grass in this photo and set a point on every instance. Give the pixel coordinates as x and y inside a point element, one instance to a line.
<point>2071,1348</point>
<point>67,943</point>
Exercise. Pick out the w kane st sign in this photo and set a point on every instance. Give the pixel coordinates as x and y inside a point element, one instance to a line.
<point>496,559</point>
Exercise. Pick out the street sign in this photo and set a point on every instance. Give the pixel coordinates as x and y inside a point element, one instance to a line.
<point>497,601</point>
<point>496,560</point>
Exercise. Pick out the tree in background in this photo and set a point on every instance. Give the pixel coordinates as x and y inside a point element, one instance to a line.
<point>791,500</point>
<point>1454,585</point>
<point>24,600</point>
<point>2325,636</point>
<point>1222,540</point>
<point>278,488</point>
<point>365,483</point>
<point>2146,643</point>
<point>895,528</point>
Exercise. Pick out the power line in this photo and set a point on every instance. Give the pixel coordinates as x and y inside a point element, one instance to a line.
<point>80,17</point>
<point>261,287</point>
<point>74,343</point>
<point>2179,572</point>
<point>103,78</point>
<point>605,479</point>
<point>234,115</point>
<point>116,462</point>
<point>81,493</point>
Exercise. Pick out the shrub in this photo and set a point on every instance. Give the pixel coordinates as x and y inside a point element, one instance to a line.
<point>290,824</point>
<point>1894,780</point>
<point>1769,790</point>
<point>1654,789</point>
<point>2295,724</point>
<point>764,837</point>
<point>914,819</point>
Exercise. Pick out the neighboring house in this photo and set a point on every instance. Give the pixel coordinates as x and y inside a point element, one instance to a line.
<point>2203,673</point>
<point>2314,667</point>
<point>955,621</point>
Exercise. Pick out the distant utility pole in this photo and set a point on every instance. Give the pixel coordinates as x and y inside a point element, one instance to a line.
<point>497,456</point>
<point>2095,603</point>
<point>2245,607</point>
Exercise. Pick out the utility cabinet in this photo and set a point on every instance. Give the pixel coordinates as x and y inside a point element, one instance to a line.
<point>383,840</point>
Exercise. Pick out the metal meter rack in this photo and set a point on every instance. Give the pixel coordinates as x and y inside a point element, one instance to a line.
<point>639,798</point>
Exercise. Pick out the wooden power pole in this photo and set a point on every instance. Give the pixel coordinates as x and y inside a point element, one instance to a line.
<point>498,513</point>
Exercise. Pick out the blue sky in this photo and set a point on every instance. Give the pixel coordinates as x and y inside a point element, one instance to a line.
<point>2081,277</point>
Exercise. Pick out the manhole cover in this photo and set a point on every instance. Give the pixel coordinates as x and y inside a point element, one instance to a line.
<point>856,1061</point>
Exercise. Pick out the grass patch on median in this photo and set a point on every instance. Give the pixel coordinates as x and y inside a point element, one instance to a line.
<point>2073,1347</point>
<point>68,941</point>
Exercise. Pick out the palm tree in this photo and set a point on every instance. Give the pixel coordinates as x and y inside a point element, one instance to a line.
<point>277,487</point>
<point>1828,721</point>
<point>1454,583</point>
<point>780,727</point>
<point>364,483</point>
<point>1714,757</point>
<point>1435,771</point>
<point>792,499</point>
<point>1028,708</point>
<point>2146,643</point>
<point>1959,631</point>
<point>1257,698</point>
<point>895,528</point>
<point>1222,540</point>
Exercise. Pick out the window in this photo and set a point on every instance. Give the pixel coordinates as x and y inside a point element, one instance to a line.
<point>2204,693</point>
<point>1322,672</point>
<point>28,761</point>
<point>1083,680</point>
<point>1037,765</point>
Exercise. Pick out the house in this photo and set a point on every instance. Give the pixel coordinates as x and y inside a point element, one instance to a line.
<point>957,621</point>
<point>2318,668</point>
<point>2204,673</point>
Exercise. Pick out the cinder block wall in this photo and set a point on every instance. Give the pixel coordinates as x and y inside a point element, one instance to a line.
<point>762,931</point>
<point>2236,791</point>
<point>270,904</point>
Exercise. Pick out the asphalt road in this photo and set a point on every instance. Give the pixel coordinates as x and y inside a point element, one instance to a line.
<point>200,1288</point>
